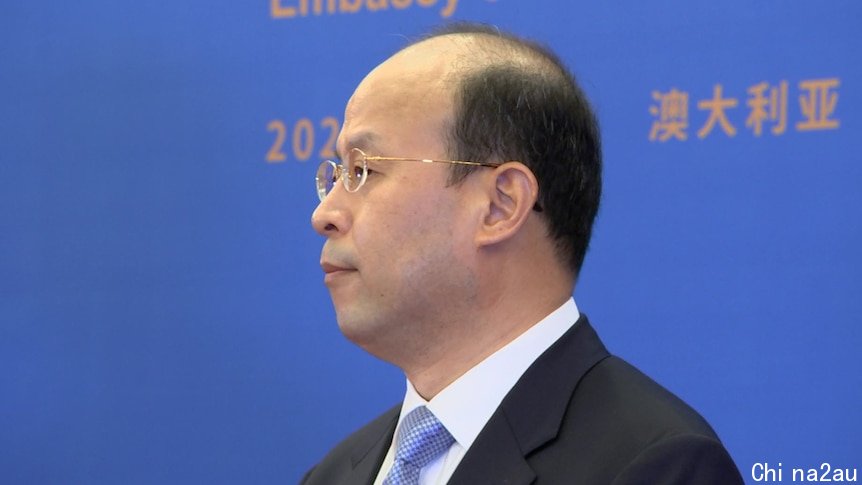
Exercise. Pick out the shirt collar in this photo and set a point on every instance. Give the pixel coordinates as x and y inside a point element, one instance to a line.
<point>466,405</point>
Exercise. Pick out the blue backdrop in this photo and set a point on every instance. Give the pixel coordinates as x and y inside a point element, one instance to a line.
<point>162,313</point>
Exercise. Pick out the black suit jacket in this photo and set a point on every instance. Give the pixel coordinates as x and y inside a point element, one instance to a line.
<point>577,416</point>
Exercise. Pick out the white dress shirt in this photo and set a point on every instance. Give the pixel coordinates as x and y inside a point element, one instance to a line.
<point>466,405</point>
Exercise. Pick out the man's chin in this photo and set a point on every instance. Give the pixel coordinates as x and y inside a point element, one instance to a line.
<point>365,333</point>
<point>358,330</point>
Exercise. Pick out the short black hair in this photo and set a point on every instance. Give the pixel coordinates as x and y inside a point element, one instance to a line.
<point>516,100</point>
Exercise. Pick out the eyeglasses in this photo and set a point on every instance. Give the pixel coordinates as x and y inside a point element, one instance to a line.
<point>354,170</point>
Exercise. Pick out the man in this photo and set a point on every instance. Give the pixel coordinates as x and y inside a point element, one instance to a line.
<point>460,271</point>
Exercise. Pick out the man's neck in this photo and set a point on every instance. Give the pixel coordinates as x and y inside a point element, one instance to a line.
<point>475,342</point>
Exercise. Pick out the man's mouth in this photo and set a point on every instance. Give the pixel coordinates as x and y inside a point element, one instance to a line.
<point>335,270</point>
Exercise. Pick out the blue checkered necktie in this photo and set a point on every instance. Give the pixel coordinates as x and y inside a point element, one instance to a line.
<point>421,439</point>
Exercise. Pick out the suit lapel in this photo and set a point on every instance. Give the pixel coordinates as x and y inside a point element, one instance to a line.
<point>531,414</point>
<point>495,457</point>
<point>368,455</point>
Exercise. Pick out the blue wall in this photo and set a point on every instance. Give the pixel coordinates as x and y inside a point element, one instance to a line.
<point>162,314</point>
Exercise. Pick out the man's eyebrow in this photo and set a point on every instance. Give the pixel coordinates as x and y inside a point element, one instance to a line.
<point>362,140</point>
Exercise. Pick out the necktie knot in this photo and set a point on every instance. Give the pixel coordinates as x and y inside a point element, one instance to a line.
<point>421,438</point>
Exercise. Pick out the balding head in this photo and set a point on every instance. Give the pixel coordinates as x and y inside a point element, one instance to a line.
<point>431,268</point>
<point>513,99</point>
<point>414,83</point>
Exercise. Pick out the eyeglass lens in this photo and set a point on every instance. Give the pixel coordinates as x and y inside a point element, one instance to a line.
<point>327,176</point>
<point>354,170</point>
<point>352,173</point>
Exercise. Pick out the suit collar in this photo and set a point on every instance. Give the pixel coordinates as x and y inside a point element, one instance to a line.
<point>531,414</point>
<point>371,449</point>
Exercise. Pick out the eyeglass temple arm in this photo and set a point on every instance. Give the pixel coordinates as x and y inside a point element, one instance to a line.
<point>428,160</point>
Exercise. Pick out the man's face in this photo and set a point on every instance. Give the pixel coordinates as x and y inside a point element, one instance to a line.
<point>397,251</point>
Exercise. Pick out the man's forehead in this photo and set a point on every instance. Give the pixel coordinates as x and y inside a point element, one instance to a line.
<point>413,83</point>
<point>411,70</point>
<point>444,46</point>
<point>364,140</point>
<point>428,62</point>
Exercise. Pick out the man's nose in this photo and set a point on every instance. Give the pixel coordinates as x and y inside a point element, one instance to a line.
<point>331,217</point>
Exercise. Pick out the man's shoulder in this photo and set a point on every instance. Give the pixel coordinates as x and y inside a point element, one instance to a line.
<point>613,424</point>
<point>626,425</point>
<point>635,428</point>
<point>373,438</point>
<point>615,390</point>
<point>604,388</point>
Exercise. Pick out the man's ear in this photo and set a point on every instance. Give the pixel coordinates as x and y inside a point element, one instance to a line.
<point>512,192</point>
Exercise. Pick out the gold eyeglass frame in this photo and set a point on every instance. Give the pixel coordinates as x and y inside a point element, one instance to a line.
<point>325,184</point>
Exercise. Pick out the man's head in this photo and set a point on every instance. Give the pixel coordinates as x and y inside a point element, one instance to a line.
<point>422,253</point>
<point>515,100</point>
